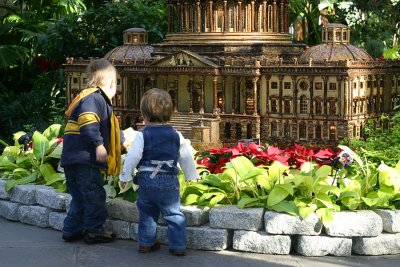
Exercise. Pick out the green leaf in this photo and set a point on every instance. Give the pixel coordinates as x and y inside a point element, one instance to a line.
<point>212,179</point>
<point>329,188</point>
<point>56,177</point>
<point>110,191</point>
<point>286,206</point>
<point>325,215</point>
<point>191,199</point>
<point>278,194</point>
<point>216,199</point>
<point>40,145</point>
<point>198,186</point>
<point>47,171</point>
<point>52,131</point>
<point>243,202</point>
<point>276,170</point>
<point>323,171</point>
<point>325,200</point>
<point>26,180</point>
<point>304,212</point>
<point>370,201</point>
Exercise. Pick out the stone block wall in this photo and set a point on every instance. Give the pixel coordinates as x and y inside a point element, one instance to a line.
<point>252,229</point>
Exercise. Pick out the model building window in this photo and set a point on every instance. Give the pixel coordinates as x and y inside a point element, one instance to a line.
<point>369,84</point>
<point>274,105</point>
<point>303,105</point>
<point>302,131</point>
<point>286,129</point>
<point>332,86</point>
<point>355,106</point>
<point>274,85</point>
<point>84,80</point>
<point>362,103</point>
<point>318,86</point>
<point>361,85</point>
<point>318,107</point>
<point>75,80</point>
<point>369,105</point>
<point>332,132</point>
<point>227,130</point>
<point>303,85</point>
<point>274,129</point>
<point>286,106</point>
<point>354,85</point>
<point>381,83</point>
<point>332,108</point>
<point>318,132</point>
<point>398,82</point>
<point>288,85</point>
<point>238,131</point>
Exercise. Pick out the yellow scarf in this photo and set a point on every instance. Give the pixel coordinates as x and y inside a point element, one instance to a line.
<point>114,149</point>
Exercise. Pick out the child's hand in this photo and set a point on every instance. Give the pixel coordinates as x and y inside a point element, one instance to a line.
<point>101,154</point>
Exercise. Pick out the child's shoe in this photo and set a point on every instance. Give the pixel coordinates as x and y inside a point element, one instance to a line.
<point>177,252</point>
<point>68,237</point>
<point>146,249</point>
<point>104,237</point>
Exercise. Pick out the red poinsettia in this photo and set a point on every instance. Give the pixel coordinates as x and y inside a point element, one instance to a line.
<point>216,158</point>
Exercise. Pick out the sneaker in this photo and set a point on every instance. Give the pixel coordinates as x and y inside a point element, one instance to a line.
<point>104,237</point>
<point>146,249</point>
<point>68,237</point>
<point>177,252</point>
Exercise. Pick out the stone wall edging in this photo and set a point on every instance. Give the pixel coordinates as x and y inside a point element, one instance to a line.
<point>251,229</point>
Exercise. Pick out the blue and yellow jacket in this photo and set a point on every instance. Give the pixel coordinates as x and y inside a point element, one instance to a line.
<point>89,125</point>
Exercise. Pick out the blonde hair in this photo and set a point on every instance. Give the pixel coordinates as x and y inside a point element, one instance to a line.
<point>156,106</point>
<point>99,71</point>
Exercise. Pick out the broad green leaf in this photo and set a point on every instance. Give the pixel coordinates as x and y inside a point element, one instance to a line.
<point>278,194</point>
<point>21,170</point>
<point>191,199</point>
<point>325,200</point>
<point>206,196</point>
<point>56,153</point>
<point>199,186</point>
<point>26,180</point>
<point>213,180</point>
<point>389,176</point>
<point>47,171</point>
<point>243,202</point>
<point>40,145</point>
<point>52,131</point>
<point>243,166</point>
<point>323,171</point>
<point>325,215</point>
<point>304,212</point>
<point>110,191</point>
<point>276,170</point>
<point>216,199</point>
<point>286,206</point>
<point>329,188</point>
<point>308,167</point>
<point>263,181</point>
<point>17,135</point>
<point>55,177</point>
<point>370,201</point>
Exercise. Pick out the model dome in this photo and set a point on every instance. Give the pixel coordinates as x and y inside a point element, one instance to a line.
<point>135,46</point>
<point>335,47</point>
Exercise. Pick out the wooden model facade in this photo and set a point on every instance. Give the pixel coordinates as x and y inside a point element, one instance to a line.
<point>234,73</point>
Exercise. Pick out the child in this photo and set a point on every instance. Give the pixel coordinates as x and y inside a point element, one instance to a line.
<point>91,145</point>
<point>155,152</point>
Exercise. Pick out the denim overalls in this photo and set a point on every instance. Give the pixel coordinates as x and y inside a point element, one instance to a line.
<point>159,186</point>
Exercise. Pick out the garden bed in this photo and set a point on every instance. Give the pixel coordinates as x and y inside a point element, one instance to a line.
<point>256,230</point>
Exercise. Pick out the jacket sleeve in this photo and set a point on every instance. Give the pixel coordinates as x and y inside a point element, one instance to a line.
<point>133,158</point>
<point>92,112</point>
<point>186,159</point>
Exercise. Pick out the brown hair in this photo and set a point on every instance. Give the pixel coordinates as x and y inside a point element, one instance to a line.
<point>156,106</point>
<point>98,71</point>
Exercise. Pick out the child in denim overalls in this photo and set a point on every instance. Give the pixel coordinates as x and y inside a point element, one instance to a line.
<point>155,152</point>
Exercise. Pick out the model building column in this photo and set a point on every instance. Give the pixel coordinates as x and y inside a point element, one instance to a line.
<point>215,93</point>
<point>282,17</point>
<point>199,22</point>
<point>239,16</point>
<point>191,87</point>
<point>226,17</point>
<point>274,17</point>
<point>223,106</point>
<point>255,96</point>
<point>264,16</point>
<point>202,81</point>
<point>170,18</point>
<point>175,98</point>
<point>210,16</point>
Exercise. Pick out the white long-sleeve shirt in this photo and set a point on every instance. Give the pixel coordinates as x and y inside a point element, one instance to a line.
<point>185,160</point>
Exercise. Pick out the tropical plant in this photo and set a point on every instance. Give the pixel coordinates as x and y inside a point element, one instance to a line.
<point>37,165</point>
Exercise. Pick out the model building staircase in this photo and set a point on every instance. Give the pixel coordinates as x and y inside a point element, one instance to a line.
<point>183,122</point>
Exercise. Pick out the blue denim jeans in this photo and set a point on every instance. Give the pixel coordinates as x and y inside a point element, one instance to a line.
<point>160,194</point>
<point>88,206</point>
